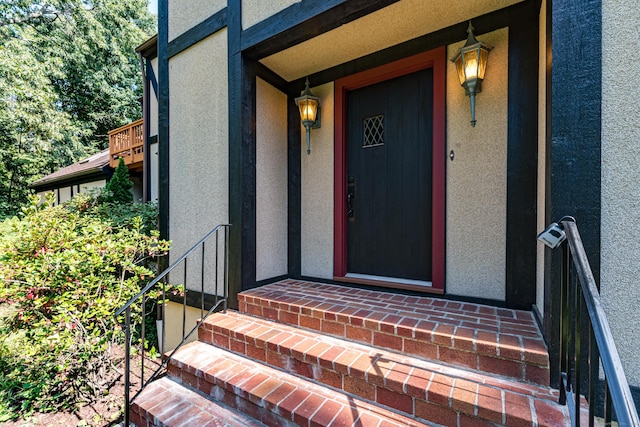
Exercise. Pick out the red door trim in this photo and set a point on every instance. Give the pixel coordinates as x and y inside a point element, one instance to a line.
<point>435,59</point>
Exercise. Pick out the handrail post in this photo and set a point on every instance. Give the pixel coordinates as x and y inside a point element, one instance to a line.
<point>142,297</point>
<point>581,288</point>
<point>564,308</point>
<point>127,364</point>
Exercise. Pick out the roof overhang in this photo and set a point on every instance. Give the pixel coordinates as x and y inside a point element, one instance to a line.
<point>394,24</point>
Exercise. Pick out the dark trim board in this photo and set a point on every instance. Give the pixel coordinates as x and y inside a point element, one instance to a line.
<point>77,180</point>
<point>303,21</point>
<point>163,121</point>
<point>455,33</point>
<point>242,161</point>
<point>151,76</point>
<point>294,189</point>
<point>573,177</point>
<point>522,159</point>
<point>270,77</point>
<point>209,26</point>
<point>149,49</point>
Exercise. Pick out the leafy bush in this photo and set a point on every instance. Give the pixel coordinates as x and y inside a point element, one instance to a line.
<point>64,271</point>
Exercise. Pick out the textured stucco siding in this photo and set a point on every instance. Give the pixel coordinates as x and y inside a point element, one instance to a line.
<point>173,325</point>
<point>65,194</point>
<point>271,182</point>
<point>155,172</point>
<point>620,256</point>
<point>394,24</point>
<point>542,138</point>
<point>185,14</point>
<point>198,156</point>
<point>87,186</point>
<point>254,11</point>
<point>477,178</point>
<point>317,192</point>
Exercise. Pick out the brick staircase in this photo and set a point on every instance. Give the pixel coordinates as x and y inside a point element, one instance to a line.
<point>307,354</point>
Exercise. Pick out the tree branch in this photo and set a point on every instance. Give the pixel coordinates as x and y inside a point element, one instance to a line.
<point>46,11</point>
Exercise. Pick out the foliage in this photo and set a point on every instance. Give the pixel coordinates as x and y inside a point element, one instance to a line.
<point>68,75</point>
<point>118,189</point>
<point>64,271</point>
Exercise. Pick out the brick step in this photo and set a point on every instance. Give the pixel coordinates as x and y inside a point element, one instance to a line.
<point>274,397</point>
<point>413,386</point>
<point>166,403</point>
<point>480,337</point>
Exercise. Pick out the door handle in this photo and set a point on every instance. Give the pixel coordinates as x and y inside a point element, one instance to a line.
<point>351,194</point>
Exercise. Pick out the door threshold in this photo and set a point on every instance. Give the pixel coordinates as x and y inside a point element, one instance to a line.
<point>389,282</point>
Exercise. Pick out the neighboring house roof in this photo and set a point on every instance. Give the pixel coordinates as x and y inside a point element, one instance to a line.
<point>90,169</point>
<point>149,48</point>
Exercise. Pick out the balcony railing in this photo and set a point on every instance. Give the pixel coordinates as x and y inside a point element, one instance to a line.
<point>127,142</point>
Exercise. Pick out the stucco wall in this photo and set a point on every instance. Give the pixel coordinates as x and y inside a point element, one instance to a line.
<point>620,265</point>
<point>317,192</point>
<point>542,123</point>
<point>198,157</point>
<point>136,190</point>
<point>184,14</point>
<point>271,182</point>
<point>477,178</point>
<point>173,325</point>
<point>155,171</point>
<point>64,194</point>
<point>254,11</point>
<point>88,186</point>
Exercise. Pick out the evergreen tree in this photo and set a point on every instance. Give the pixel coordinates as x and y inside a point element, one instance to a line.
<point>68,74</point>
<point>118,189</point>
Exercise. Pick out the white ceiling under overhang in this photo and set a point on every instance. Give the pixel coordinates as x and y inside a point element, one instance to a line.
<point>394,24</point>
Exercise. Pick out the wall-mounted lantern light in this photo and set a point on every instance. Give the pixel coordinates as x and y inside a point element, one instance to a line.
<point>309,107</point>
<point>471,63</point>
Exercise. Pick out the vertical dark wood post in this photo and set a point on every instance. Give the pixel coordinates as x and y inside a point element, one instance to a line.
<point>574,99</point>
<point>163,122</point>
<point>294,191</point>
<point>242,160</point>
<point>522,159</point>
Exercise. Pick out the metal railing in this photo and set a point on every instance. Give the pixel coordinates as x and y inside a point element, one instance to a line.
<point>219,297</point>
<point>601,363</point>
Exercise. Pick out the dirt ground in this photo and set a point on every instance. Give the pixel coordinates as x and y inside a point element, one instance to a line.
<point>105,412</point>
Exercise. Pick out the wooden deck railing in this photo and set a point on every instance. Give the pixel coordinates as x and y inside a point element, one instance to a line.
<point>127,142</point>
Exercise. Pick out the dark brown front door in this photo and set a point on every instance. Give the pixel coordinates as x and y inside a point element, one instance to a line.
<point>389,178</point>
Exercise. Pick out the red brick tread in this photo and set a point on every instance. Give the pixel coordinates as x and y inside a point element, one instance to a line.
<point>489,339</point>
<point>166,403</point>
<point>401,382</point>
<point>272,396</point>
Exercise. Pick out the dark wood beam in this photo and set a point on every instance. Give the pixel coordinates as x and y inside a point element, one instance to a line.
<point>163,120</point>
<point>522,159</point>
<point>303,21</point>
<point>242,161</point>
<point>209,26</point>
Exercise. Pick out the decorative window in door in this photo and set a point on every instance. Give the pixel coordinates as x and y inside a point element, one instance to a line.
<point>373,128</point>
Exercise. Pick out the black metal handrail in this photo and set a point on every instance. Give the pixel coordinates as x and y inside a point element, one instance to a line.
<point>577,276</point>
<point>141,298</point>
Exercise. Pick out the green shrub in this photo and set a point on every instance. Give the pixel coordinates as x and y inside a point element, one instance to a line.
<point>64,271</point>
<point>118,189</point>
